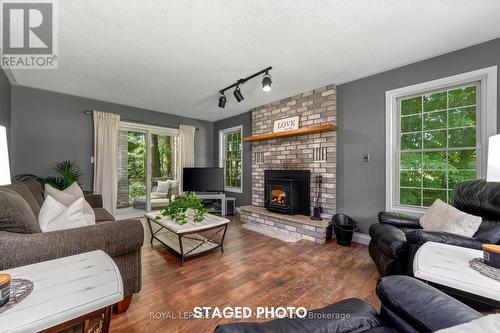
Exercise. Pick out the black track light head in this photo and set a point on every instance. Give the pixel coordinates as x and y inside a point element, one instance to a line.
<point>266,82</point>
<point>222,100</point>
<point>237,94</point>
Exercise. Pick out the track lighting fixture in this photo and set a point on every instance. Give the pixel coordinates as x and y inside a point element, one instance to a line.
<point>266,86</point>
<point>266,82</point>
<point>222,100</point>
<point>237,94</point>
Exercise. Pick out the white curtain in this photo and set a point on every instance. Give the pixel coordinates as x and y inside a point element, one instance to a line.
<point>186,148</point>
<point>106,126</point>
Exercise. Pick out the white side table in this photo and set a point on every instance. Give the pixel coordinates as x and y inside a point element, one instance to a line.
<point>448,266</point>
<point>66,291</point>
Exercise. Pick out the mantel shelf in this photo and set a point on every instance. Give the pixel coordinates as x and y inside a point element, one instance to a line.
<point>299,131</point>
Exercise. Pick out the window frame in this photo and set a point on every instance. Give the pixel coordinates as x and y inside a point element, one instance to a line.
<point>486,125</point>
<point>222,156</point>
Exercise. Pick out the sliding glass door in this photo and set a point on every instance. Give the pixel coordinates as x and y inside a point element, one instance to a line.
<point>163,170</point>
<point>147,168</point>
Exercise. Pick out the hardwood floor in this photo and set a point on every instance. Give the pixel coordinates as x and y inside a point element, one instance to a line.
<point>254,270</point>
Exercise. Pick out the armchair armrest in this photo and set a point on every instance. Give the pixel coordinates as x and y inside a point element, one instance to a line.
<point>424,307</point>
<point>94,200</point>
<point>390,240</point>
<point>399,220</point>
<point>114,238</point>
<point>419,237</point>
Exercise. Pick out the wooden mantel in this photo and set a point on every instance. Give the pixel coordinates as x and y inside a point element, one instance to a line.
<point>299,131</point>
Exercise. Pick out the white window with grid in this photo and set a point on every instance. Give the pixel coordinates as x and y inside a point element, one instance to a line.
<point>436,137</point>
<point>231,158</point>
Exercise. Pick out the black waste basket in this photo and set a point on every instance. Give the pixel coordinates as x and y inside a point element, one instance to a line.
<point>344,227</point>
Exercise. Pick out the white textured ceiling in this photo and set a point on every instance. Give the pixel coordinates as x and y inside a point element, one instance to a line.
<point>173,56</point>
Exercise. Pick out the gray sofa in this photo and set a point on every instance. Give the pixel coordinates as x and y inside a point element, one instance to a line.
<point>23,243</point>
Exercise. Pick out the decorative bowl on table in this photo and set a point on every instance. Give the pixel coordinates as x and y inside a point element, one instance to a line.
<point>491,255</point>
<point>4,289</point>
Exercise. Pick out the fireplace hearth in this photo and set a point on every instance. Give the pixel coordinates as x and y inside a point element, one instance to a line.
<point>287,191</point>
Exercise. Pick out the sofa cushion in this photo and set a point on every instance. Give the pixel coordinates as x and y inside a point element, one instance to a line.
<point>488,232</point>
<point>36,189</point>
<point>16,214</point>
<point>94,200</point>
<point>26,194</point>
<point>478,197</point>
<point>102,215</point>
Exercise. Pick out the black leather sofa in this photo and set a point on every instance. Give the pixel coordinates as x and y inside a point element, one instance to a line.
<point>397,237</point>
<point>408,305</point>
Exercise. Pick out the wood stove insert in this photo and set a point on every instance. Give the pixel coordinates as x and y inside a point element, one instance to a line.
<point>287,191</point>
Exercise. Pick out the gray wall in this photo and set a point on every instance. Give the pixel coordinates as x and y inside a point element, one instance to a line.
<point>4,102</point>
<point>361,125</point>
<point>245,120</point>
<point>48,127</point>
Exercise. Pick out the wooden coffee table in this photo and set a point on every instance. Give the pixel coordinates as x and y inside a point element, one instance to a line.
<point>448,267</point>
<point>189,239</point>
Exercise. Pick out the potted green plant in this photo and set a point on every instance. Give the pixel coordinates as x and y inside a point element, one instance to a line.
<point>68,173</point>
<point>183,207</point>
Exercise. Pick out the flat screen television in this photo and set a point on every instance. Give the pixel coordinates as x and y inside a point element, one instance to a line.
<point>203,179</point>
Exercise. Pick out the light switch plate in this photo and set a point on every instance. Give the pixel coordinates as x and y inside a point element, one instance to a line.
<point>366,157</point>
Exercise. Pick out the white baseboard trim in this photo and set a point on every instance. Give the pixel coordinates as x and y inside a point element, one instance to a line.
<point>361,238</point>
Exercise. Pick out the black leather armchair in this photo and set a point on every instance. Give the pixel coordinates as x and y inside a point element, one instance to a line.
<point>397,237</point>
<point>408,305</point>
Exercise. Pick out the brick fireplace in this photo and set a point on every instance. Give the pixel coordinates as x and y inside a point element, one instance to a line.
<point>315,153</point>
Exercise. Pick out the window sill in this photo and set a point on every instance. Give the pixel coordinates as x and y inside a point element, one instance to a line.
<point>233,189</point>
<point>408,210</point>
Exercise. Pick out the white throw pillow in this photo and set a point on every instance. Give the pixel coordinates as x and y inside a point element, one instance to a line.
<point>68,196</point>
<point>163,186</point>
<point>443,217</point>
<point>54,215</point>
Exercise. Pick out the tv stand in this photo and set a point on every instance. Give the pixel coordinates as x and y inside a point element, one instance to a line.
<point>214,196</point>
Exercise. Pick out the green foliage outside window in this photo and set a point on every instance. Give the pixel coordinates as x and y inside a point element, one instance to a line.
<point>136,189</point>
<point>232,161</point>
<point>437,145</point>
<point>136,155</point>
<point>162,161</point>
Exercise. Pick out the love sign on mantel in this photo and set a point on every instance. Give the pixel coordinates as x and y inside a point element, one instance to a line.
<point>286,124</point>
